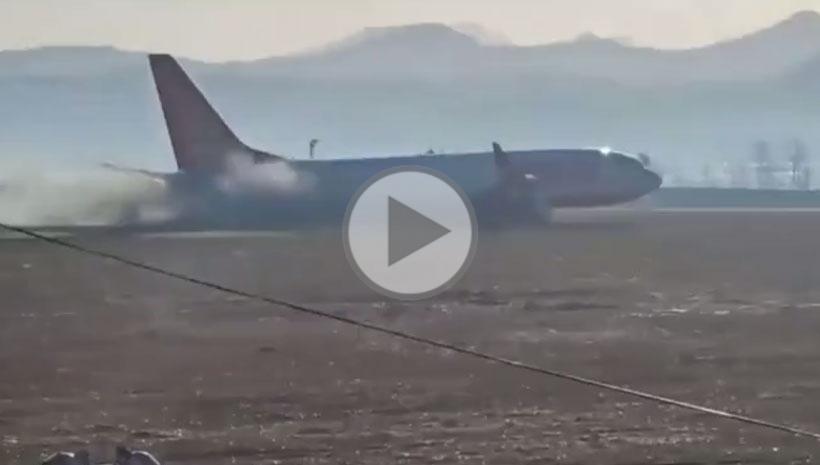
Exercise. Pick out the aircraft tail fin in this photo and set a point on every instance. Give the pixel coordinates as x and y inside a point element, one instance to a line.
<point>201,140</point>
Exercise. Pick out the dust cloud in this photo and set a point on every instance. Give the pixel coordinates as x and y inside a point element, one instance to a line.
<point>246,176</point>
<point>100,197</point>
<point>89,198</point>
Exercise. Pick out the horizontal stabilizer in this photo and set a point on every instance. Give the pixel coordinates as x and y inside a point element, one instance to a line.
<point>154,176</point>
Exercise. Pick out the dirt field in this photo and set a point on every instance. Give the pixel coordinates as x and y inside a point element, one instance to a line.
<point>721,309</point>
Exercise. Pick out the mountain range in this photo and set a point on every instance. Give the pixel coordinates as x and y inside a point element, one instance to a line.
<point>408,88</point>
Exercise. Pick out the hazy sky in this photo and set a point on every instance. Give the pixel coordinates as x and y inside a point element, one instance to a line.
<point>239,29</point>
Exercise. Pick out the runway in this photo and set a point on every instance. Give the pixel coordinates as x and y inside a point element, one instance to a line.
<point>717,309</point>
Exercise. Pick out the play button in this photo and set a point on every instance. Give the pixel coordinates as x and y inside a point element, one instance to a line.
<point>409,233</point>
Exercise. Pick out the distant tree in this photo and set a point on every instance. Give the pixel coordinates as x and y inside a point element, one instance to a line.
<point>738,174</point>
<point>764,168</point>
<point>799,169</point>
<point>706,177</point>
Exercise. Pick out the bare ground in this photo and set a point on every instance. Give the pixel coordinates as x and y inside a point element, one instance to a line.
<point>721,309</point>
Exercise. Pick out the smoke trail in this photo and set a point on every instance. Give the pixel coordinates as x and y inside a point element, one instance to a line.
<point>94,198</point>
<point>277,177</point>
<point>30,197</point>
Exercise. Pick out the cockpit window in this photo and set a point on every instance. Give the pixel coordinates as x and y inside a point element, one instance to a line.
<point>625,160</point>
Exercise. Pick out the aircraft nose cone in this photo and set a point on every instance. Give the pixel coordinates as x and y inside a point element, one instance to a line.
<point>653,180</point>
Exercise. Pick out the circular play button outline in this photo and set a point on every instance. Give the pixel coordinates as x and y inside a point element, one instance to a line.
<point>451,195</point>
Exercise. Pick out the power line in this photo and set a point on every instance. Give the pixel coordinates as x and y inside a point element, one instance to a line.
<point>419,339</point>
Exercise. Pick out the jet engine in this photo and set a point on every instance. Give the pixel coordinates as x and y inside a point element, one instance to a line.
<point>517,198</point>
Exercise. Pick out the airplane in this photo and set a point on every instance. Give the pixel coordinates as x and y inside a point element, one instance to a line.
<point>505,187</point>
